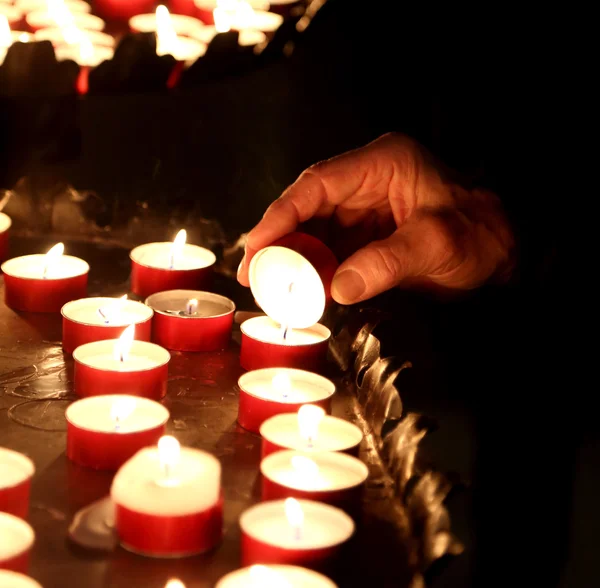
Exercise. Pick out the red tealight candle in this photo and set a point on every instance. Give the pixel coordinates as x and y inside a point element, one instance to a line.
<point>280,576</point>
<point>310,430</point>
<point>121,366</point>
<point>44,283</point>
<point>122,9</point>
<point>296,532</point>
<point>291,282</point>
<point>97,319</point>
<point>16,472</point>
<point>5,224</point>
<point>16,580</point>
<point>333,478</point>
<point>268,392</point>
<point>156,267</point>
<point>103,432</point>
<point>168,501</point>
<point>189,320</point>
<point>16,541</point>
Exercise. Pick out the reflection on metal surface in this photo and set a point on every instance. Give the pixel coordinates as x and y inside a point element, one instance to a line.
<point>93,526</point>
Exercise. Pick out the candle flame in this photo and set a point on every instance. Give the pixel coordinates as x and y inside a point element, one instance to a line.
<point>59,13</point>
<point>5,36</point>
<point>166,37</point>
<point>282,384</point>
<point>124,343</point>
<point>265,577</point>
<point>24,38</point>
<point>294,513</point>
<point>86,50</point>
<point>52,257</point>
<point>111,312</point>
<point>178,245</point>
<point>304,466</point>
<point>169,451</point>
<point>71,34</point>
<point>192,306</point>
<point>122,409</point>
<point>175,584</point>
<point>309,419</point>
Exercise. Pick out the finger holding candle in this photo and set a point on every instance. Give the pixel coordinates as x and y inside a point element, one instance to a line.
<point>16,471</point>
<point>16,580</point>
<point>16,540</point>
<point>274,576</point>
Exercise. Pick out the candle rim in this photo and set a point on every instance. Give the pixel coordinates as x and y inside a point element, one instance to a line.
<point>322,459</point>
<point>138,399</point>
<point>11,521</point>
<point>145,319</point>
<point>325,332</point>
<point>86,347</point>
<point>95,36</point>
<point>204,295</point>
<point>135,251</point>
<point>241,574</point>
<point>175,18</point>
<point>8,222</point>
<point>25,581</point>
<point>8,262</point>
<point>24,460</point>
<point>267,434</point>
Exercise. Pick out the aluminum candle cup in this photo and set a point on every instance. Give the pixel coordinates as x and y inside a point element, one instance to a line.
<point>309,431</point>
<point>16,541</point>
<point>276,576</point>
<point>5,224</point>
<point>169,503</point>
<point>332,478</point>
<point>97,319</point>
<point>103,432</point>
<point>269,392</point>
<point>16,471</point>
<point>44,283</point>
<point>295,532</point>
<point>190,320</point>
<point>16,580</point>
<point>291,282</point>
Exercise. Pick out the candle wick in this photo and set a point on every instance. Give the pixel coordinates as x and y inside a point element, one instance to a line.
<point>117,424</point>
<point>106,321</point>
<point>285,333</point>
<point>45,274</point>
<point>172,260</point>
<point>297,533</point>
<point>310,442</point>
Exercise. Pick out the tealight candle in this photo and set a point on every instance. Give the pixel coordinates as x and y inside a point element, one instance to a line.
<point>103,432</point>
<point>333,478</point>
<point>72,36</point>
<point>291,282</point>
<point>275,576</point>
<point>44,283</point>
<point>121,366</point>
<point>97,319</point>
<point>310,430</point>
<point>189,320</point>
<point>16,541</point>
<point>156,267</point>
<point>296,532</point>
<point>5,224</point>
<point>205,8</point>
<point>41,19</point>
<point>186,26</point>
<point>268,392</point>
<point>16,472</point>
<point>16,580</point>
<point>168,501</point>
<point>27,6</point>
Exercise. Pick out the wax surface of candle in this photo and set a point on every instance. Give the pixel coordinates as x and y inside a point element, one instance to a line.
<point>15,536</point>
<point>179,303</point>
<point>276,576</point>
<point>32,267</point>
<point>15,580</point>
<point>131,364</point>
<point>267,330</point>
<point>118,312</point>
<point>5,222</point>
<point>158,255</point>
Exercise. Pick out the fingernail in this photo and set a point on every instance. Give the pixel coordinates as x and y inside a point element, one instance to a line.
<point>241,265</point>
<point>348,286</point>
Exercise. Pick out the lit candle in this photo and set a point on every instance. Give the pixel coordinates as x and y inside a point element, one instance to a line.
<point>157,267</point>
<point>71,35</point>
<point>191,320</point>
<point>291,282</point>
<point>333,478</point>
<point>268,392</point>
<point>103,432</point>
<point>122,366</point>
<point>97,319</point>
<point>309,430</point>
<point>16,472</point>
<point>206,8</point>
<point>44,283</point>
<point>297,532</point>
<point>168,501</point>
<point>16,580</point>
<point>274,576</point>
<point>16,540</point>
<point>59,14</point>
<point>5,224</point>
<point>175,584</point>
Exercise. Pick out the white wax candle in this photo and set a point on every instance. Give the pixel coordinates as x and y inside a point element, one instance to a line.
<point>333,434</point>
<point>178,302</point>
<point>328,471</point>
<point>61,36</point>
<point>210,5</point>
<point>117,413</point>
<point>16,580</point>
<point>260,20</point>
<point>324,526</point>
<point>5,222</point>
<point>142,356</point>
<point>40,19</point>
<point>32,267</point>
<point>15,468</point>
<point>16,536</point>
<point>27,6</point>
<point>275,576</point>
<point>302,386</point>
<point>193,483</point>
<point>246,37</point>
<point>102,311</point>
<point>265,329</point>
<point>186,26</point>
<point>158,255</point>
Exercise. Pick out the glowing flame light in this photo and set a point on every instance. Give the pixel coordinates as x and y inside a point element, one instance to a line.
<point>120,410</point>
<point>265,577</point>
<point>192,306</point>
<point>178,245</point>
<point>110,313</point>
<point>72,35</point>
<point>166,37</point>
<point>309,419</point>
<point>282,384</point>
<point>24,38</point>
<point>59,13</point>
<point>304,466</point>
<point>124,343</point>
<point>52,258</point>
<point>169,452</point>
<point>5,36</point>
<point>175,584</point>
<point>295,516</point>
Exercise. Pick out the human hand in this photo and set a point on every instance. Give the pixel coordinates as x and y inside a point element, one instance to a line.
<point>396,219</point>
